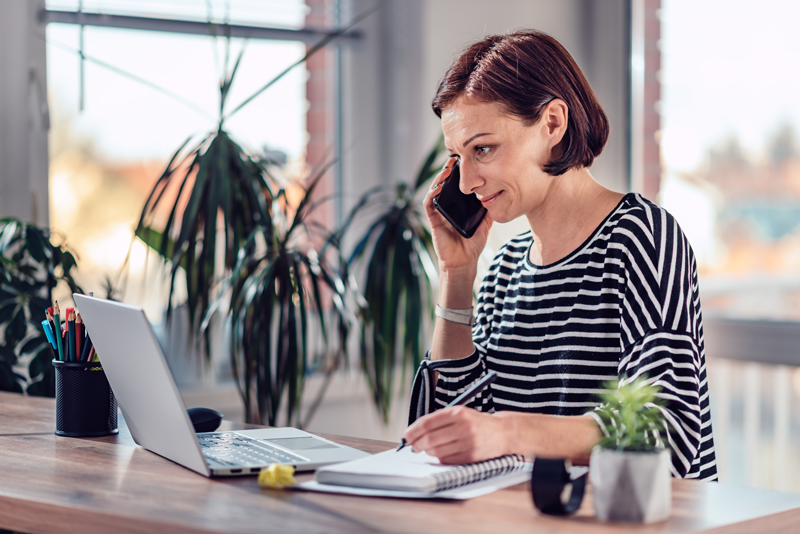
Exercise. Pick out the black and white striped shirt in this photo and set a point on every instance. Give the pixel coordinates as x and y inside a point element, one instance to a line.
<point>625,303</point>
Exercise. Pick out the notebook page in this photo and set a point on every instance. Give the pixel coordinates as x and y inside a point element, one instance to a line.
<point>403,463</point>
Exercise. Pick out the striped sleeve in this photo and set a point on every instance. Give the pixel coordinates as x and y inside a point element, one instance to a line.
<point>455,377</point>
<point>660,321</point>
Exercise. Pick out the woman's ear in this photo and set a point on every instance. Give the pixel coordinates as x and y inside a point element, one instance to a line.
<point>554,119</point>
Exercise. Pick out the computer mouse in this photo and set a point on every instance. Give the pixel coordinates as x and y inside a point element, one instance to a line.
<point>204,419</point>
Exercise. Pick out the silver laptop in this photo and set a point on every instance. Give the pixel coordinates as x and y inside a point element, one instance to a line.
<point>156,416</point>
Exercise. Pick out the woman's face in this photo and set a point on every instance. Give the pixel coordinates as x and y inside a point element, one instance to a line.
<point>501,158</point>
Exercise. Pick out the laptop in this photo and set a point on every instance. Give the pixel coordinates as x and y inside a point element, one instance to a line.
<point>156,416</point>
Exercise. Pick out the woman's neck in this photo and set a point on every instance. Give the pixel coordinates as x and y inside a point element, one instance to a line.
<point>572,210</point>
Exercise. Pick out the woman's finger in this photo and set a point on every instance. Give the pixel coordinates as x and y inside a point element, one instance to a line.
<point>439,427</point>
<point>438,438</point>
<point>440,178</point>
<point>444,174</point>
<point>425,425</point>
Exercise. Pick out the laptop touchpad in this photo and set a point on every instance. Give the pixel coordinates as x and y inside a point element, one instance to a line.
<point>301,444</point>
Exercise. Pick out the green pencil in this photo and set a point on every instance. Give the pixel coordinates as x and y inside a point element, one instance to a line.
<point>57,320</point>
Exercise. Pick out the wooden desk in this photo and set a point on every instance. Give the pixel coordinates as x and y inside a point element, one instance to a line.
<point>99,485</point>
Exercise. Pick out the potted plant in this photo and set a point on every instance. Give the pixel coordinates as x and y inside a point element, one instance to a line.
<point>396,253</point>
<point>31,266</point>
<point>282,289</point>
<point>210,199</point>
<point>630,466</point>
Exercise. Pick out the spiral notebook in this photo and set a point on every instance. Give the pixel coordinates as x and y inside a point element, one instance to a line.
<point>407,471</point>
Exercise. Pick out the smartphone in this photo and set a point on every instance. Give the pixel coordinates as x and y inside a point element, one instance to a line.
<point>464,212</point>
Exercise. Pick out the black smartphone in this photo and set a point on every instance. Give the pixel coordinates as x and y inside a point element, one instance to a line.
<point>464,212</point>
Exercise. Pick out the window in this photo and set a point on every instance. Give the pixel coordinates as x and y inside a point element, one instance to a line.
<point>731,122</point>
<point>731,127</point>
<point>143,94</point>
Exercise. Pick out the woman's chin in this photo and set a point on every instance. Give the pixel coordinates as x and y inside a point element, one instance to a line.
<point>501,216</point>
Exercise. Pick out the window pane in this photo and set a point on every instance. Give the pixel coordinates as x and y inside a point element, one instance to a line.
<point>105,159</point>
<point>731,118</point>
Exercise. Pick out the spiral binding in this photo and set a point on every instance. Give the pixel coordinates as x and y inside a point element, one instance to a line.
<point>469,473</point>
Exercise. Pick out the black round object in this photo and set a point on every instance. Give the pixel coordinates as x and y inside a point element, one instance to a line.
<point>85,404</point>
<point>549,479</point>
<point>204,419</point>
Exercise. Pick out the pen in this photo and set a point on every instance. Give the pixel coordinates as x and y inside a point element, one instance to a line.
<point>465,397</point>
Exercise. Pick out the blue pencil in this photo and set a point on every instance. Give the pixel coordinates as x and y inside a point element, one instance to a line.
<point>48,332</point>
<point>87,347</point>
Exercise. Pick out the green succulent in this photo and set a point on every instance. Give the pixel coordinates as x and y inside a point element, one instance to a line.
<point>632,417</point>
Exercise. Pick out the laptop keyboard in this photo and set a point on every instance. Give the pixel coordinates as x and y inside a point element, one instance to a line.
<point>233,450</point>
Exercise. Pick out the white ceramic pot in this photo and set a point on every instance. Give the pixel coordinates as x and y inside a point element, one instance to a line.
<point>631,486</point>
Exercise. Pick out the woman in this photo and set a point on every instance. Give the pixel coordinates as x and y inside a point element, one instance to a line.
<point>604,286</point>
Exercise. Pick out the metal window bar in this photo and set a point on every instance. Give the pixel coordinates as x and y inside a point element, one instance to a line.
<point>308,36</point>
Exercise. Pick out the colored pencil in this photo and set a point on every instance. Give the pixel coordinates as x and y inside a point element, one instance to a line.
<point>49,315</point>
<point>57,319</point>
<point>73,356</point>
<point>50,339</point>
<point>87,348</point>
<point>78,335</point>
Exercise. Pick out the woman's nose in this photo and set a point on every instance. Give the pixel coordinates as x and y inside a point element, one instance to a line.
<point>470,179</point>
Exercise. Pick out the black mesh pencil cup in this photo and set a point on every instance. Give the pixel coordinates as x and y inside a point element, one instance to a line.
<point>85,404</point>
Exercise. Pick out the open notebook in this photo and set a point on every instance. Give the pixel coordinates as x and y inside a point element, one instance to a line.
<point>405,472</point>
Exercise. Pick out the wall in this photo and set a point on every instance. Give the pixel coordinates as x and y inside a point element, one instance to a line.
<point>24,115</point>
<point>390,81</point>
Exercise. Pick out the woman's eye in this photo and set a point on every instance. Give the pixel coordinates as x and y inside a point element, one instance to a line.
<point>482,150</point>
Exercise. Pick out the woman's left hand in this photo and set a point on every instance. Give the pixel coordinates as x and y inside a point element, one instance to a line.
<point>460,435</point>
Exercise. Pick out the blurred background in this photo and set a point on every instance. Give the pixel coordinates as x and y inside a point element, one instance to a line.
<point>705,121</point>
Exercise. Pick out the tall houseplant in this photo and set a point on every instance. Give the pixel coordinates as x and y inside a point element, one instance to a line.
<point>230,230</point>
<point>629,467</point>
<point>215,195</point>
<point>279,292</point>
<point>396,253</point>
<point>31,266</point>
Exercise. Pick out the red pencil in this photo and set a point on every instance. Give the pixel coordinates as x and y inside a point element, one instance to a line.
<point>78,335</point>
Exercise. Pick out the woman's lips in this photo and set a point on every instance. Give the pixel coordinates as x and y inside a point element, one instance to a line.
<point>488,201</point>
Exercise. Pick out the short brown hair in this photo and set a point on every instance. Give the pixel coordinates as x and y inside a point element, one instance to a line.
<point>524,71</point>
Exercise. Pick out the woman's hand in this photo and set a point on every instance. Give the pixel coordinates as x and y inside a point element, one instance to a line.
<point>460,435</point>
<point>454,251</point>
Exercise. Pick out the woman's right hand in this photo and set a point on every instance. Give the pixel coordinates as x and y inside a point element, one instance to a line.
<point>455,252</point>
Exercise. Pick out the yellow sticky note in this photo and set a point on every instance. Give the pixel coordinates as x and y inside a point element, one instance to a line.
<point>276,476</point>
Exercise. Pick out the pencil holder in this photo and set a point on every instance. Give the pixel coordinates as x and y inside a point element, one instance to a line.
<point>85,404</point>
